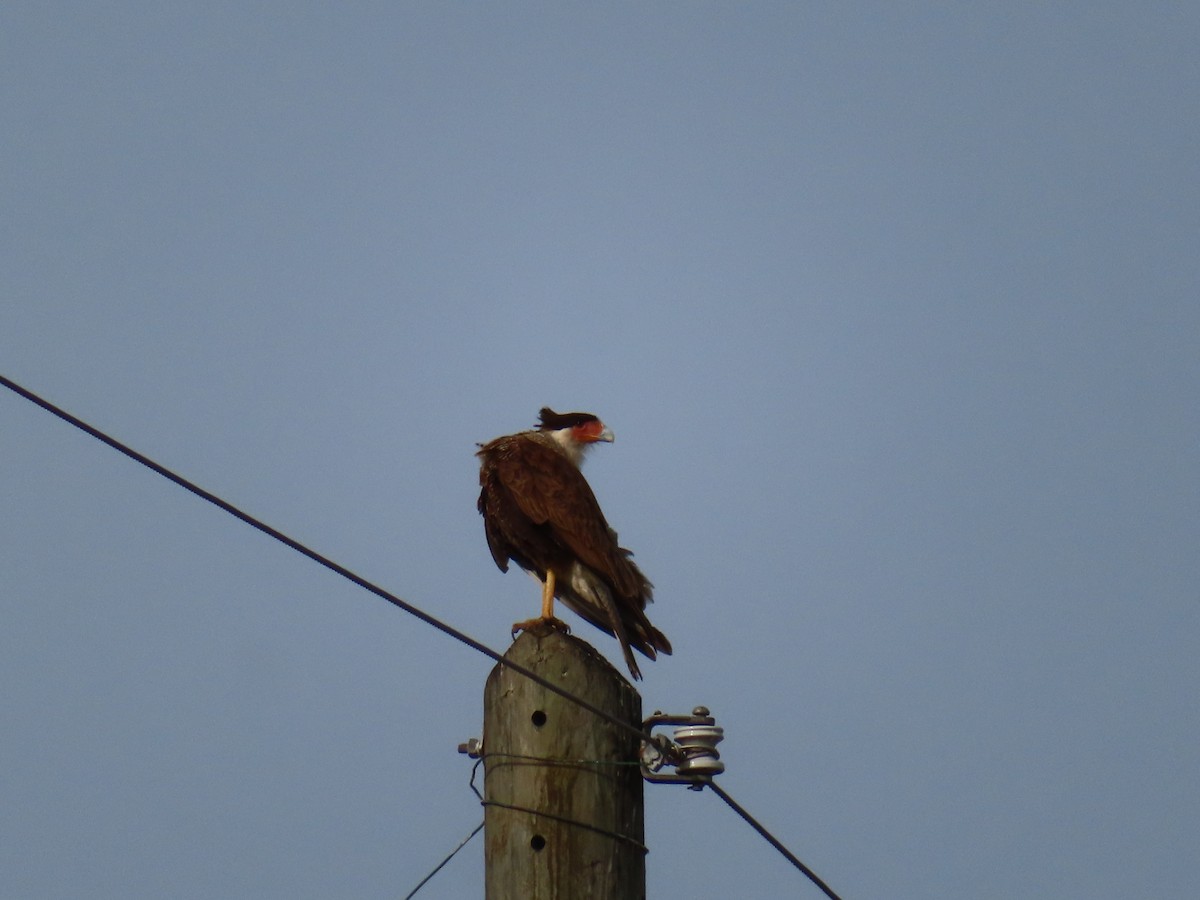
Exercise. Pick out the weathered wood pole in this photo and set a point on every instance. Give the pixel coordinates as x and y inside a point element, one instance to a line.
<point>563,814</point>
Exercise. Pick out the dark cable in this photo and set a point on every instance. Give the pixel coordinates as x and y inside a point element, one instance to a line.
<point>559,761</point>
<point>753,823</point>
<point>316,557</point>
<point>406,607</point>
<point>623,838</point>
<point>438,867</point>
<point>525,759</point>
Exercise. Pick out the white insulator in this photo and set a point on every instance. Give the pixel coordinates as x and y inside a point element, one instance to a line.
<point>698,744</point>
<point>693,752</point>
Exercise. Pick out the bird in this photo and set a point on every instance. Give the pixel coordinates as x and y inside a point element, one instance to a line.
<point>540,512</point>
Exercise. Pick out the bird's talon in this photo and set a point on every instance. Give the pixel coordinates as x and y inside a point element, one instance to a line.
<point>556,624</point>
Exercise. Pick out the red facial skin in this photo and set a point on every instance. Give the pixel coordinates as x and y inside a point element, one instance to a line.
<point>590,432</point>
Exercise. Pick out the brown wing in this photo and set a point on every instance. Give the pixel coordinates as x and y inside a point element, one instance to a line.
<point>540,512</point>
<point>552,493</point>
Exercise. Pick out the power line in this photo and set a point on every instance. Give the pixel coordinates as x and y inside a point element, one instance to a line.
<point>401,604</point>
<point>314,555</point>
<point>552,761</point>
<point>438,867</point>
<point>770,838</point>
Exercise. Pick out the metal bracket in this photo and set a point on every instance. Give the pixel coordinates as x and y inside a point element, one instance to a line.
<point>472,748</point>
<point>693,752</point>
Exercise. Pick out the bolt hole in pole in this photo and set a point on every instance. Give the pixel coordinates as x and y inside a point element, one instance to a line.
<point>538,719</point>
<point>538,843</point>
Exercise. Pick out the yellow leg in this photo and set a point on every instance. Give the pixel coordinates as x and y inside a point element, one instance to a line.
<point>548,595</point>
<point>547,616</point>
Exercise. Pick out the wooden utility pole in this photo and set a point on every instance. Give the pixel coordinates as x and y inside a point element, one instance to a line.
<point>563,811</point>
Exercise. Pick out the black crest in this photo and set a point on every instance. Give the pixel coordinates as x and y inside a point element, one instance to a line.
<point>549,420</point>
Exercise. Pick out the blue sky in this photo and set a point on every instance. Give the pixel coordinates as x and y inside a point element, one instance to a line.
<point>893,310</point>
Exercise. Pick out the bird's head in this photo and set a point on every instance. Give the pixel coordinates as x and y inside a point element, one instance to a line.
<point>575,432</point>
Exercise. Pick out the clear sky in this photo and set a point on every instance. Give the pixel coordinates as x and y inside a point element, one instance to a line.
<point>894,309</point>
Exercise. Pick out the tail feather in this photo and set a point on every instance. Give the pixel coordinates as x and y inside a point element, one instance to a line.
<point>587,595</point>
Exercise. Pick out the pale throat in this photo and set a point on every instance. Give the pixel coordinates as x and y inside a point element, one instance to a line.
<point>574,450</point>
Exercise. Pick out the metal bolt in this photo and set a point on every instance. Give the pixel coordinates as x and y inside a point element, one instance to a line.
<point>472,748</point>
